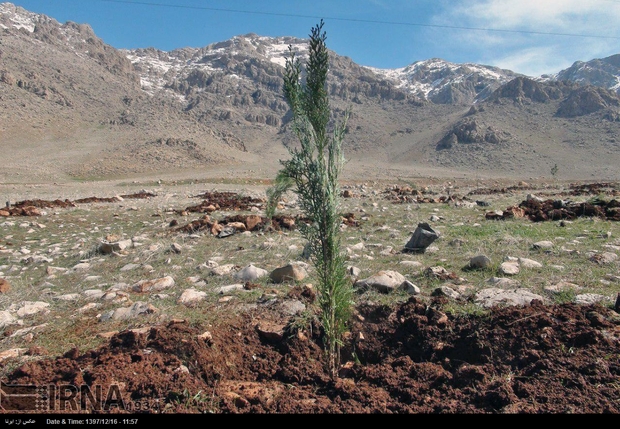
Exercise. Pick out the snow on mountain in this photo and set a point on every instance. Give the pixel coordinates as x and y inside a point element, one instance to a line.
<point>157,68</point>
<point>426,78</point>
<point>435,80</point>
<point>12,16</point>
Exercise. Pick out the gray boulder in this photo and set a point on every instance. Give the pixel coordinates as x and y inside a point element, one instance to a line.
<point>422,237</point>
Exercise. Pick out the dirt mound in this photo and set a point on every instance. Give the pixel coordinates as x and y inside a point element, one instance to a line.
<point>411,358</point>
<point>213,201</point>
<point>30,207</point>
<point>538,211</point>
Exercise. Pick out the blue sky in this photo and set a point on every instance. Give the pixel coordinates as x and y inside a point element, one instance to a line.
<point>527,36</point>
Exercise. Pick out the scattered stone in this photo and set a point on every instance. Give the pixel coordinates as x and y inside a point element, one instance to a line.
<point>88,307</point>
<point>5,286</point>
<point>124,313</point>
<point>129,267</point>
<point>176,248</point>
<point>28,308</point>
<point>422,237</point>
<point>226,231</point>
<point>253,222</point>
<point>12,353</point>
<point>384,281</point>
<point>54,270</point>
<point>447,292</point>
<point>82,266</point>
<point>67,297</point>
<point>239,226</point>
<point>288,272</point>
<point>494,215</point>
<point>603,258</point>
<point>591,298</point>
<point>480,262</point>
<point>356,247</point>
<point>191,297</point>
<point>107,247</point>
<point>389,250</point>
<point>353,271</point>
<point>494,296</point>
<point>27,332</point>
<point>250,273</point>
<point>270,331</point>
<point>612,278</point>
<point>410,288</point>
<point>509,268</point>
<point>222,270</point>
<point>7,318</point>
<point>457,242</point>
<point>93,294</point>
<point>562,286</point>
<point>292,307</point>
<point>441,273</point>
<point>412,264</point>
<point>529,263</point>
<point>543,245</point>
<point>154,285</point>
<point>36,259</point>
<point>230,288</point>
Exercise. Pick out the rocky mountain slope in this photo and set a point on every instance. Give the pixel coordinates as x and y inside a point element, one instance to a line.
<point>74,107</point>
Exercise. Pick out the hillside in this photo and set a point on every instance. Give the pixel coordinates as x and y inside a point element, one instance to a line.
<point>73,108</point>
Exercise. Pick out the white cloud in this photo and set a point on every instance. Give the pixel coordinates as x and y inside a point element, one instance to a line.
<point>535,36</point>
<point>534,61</point>
<point>541,15</point>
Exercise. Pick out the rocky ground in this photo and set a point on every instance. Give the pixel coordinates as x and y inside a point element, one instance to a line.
<point>417,355</point>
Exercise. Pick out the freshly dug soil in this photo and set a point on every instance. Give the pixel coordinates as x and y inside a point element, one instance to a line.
<point>411,358</point>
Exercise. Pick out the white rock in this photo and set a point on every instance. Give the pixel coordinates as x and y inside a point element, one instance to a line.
<point>562,287</point>
<point>493,296</point>
<point>229,288</point>
<point>410,288</point>
<point>12,353</point>
<point>28,308</point>
<point>250,273</point>
<point>412,264</point>
<point>529,263</point>
<point>6,319</point>
<point>82,266</point>
<point>124,313</point>
<point>509,268</point>
<point>89,306</point>
<point>222,270</point>
<point>190,297</point>
<point>384,281</point>
<point>67,297</point>
<point>591,298</point>
<point>154,285</point>
<point>129,267</point>
<point>545,244</point>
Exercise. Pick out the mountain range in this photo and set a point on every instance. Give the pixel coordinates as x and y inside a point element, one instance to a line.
<point>74,108</point>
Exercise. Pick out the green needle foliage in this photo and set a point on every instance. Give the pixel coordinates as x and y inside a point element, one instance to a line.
<point>313,172</point>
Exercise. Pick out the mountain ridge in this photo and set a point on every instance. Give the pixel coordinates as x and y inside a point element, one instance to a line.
<point>101,112</point>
